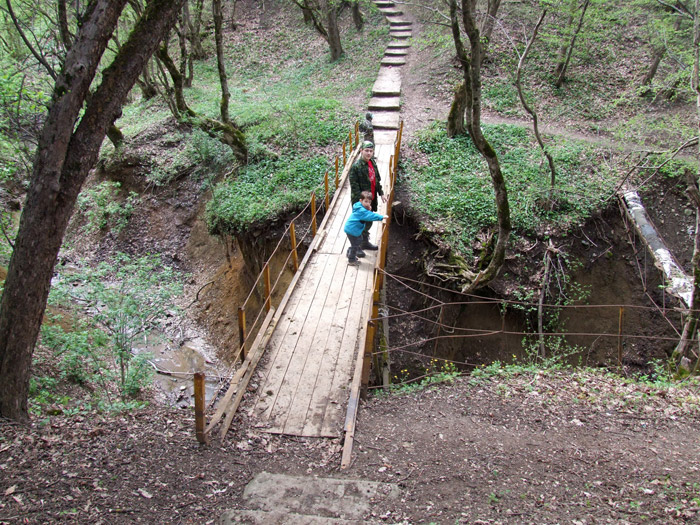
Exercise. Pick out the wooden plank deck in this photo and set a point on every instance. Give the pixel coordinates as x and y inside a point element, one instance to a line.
<point>305,377</point>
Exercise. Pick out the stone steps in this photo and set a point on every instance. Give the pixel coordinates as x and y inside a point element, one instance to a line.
<point>272,499</point>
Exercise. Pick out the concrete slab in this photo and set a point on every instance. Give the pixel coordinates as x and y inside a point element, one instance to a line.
<point>391,11</point>
<point>384,103</point>
<point>384,136</point>
<point>384,3</point>
<point>344,499</point>
<point>385,120</point>
<point>400,23</point>
<point>398,44</point>
<point>396,52</point>
<point>393,61</point>
<point>400,34</point>
<point>388,82</point>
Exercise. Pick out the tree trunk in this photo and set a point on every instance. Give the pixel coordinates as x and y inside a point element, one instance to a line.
<point>656,57</point>
<point>229,133</point>
<point>223,80</point>
<point>357,16</point>
<point>115,135</point>
<point>195,27</point>
<point>471,66</point>
<point>562,73</point>
<point>181,30</point>
<point>66,38</point>
<point>65,154</point>
<point>455,119</point>
<point>568,29</point>
<point>532,113</point>
<point>333,32</point>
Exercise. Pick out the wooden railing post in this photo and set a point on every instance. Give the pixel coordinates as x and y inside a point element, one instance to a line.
<point>293,239</point>
<point>369,344</point>
<point>619,337</point>
<point>337,176</point>
<point>313,214</point>
<point>325,184</point>
<point>268,288</point>
<point>357,133</point>
<point>199,404</point>
<point>344,155</point>
<point>241,330</point>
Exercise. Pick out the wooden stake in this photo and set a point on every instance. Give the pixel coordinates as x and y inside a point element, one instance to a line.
<point>241,330</point>
<point>325,184</point>
<point>344,155</point>
<point>199,407</point>
<point>268,291</point>
<point>619,337</point>
<point>293,238</point>
<point>337,176</point>
<point>313,214</point>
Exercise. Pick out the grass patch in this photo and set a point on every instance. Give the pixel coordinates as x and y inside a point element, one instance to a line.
<point>456,197</point>
<point>262,192</point>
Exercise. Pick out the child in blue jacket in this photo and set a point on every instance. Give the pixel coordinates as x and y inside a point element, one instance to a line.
<point>355,225</point>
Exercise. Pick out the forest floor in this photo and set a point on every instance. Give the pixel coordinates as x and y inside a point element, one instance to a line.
<point>533,447</point>
<point>577,447</point>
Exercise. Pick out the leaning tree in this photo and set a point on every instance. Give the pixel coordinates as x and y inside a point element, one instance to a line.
<point>75,126</point>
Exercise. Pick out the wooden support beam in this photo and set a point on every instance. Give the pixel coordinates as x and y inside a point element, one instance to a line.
<point>293,239</point>
<point>199,404</point>
<point>241,330</point>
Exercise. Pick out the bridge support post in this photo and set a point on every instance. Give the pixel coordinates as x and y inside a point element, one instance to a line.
<point>293,239</point>
<point>313,214</point>
<point>241,330</point>
<point>199,407</point>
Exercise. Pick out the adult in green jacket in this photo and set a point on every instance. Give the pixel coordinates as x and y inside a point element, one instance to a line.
<point>364,176</point>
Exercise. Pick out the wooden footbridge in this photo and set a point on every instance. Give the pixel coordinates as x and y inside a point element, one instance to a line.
<point>311,352</point>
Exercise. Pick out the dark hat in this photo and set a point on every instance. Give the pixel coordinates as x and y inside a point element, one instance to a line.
<point>367,144</point>
<point>368,116</point>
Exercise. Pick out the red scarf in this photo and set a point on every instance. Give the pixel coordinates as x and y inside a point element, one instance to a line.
<point>372,178</point>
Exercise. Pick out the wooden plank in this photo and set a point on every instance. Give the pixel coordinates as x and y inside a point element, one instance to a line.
<point>321,352</point>
<point>353,402</point>
<point>337,236</point>
<point>332,422</point>
<point>299,349</point>
<point>234,384</point>
<point>340,324</point>
<point>284,340</point>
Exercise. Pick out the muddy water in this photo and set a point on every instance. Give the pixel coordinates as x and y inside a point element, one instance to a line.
<point>175,367</point>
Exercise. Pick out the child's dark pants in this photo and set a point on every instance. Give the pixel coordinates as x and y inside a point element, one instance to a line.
<point>355,243</point>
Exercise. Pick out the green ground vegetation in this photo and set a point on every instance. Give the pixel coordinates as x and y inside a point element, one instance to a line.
<point>458,216</point>
<point>99,317</point>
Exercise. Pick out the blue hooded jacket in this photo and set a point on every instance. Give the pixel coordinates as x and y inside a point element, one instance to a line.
<point>355,223</point>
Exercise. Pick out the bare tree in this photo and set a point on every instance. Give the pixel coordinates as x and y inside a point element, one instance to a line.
<point>323,14</point>
<point>471,62</point>
<point>65,154</point>
<point>218,37</point>
<point>529,109</point>
<point>227,132</point>
<point>455,119</point>
<point>567,49</point>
